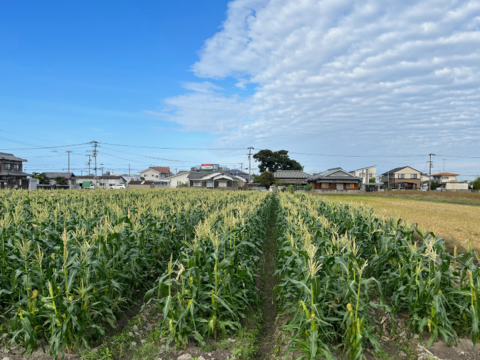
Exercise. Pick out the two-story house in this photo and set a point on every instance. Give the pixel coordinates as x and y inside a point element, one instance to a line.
<point>11,172</point>
<point>403,178</point>
<point>366,173</point>
<point>158,174</point>
<point>444,177</point>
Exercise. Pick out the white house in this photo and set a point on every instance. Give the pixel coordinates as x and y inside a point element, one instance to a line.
<point>366,173</point>
<point>155,173</point>
<point>444,177</point>
<point>178,179</point>
<point>214,180</point>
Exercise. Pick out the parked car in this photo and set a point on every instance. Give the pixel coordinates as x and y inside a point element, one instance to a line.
<point>113,186</point>
<point>262,188</point>
<point>423,188</point>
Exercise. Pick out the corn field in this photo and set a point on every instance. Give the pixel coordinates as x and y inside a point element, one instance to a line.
<point>340,266</point>
<point>72,262</point>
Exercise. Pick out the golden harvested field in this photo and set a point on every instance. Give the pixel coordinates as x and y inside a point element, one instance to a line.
<point>455,223</point>
<point>445,196</point>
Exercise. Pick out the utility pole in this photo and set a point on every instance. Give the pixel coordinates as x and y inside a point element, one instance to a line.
<point>68,152</point>
<point>241,167</point>
<point>95,152</point>
<point>89,162</point>
<point>128,169</point>
<point>430,173</point>
<point>250,164</point>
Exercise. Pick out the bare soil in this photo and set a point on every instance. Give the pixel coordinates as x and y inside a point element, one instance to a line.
<point>267,284</point>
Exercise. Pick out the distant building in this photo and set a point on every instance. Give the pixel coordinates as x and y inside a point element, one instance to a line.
<point>69,176</point>
<point>291,177</point>
<point>403,178</point>
<point>366,173</point>
<point>335,180</point>
<point>101,181</point>
<point>158,174</point>
<point>11,172</point>
<point>219,179</point>
<point>444,177</point>
<point>178,179</point>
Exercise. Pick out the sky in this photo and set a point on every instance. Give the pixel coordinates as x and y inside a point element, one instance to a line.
<point>179,83</point>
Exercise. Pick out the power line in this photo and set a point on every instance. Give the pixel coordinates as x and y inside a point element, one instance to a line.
<point>48,147</point>
<point>172,148</point>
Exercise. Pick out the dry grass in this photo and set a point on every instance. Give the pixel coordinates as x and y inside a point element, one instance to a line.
<point>455,223</point>
<point>466,197</point>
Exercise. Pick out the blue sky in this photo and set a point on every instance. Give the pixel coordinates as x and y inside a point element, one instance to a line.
<point>378,84</point>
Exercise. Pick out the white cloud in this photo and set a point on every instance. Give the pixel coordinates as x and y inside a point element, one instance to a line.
<point>396,77</point>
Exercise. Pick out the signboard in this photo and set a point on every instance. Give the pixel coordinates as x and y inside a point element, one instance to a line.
<point>212,167</point>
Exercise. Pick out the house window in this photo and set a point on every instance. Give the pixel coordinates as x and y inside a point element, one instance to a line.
<point>156,176</point>
<point>325,185</point>
<point>401,176</point>
<point>350,186</point>
<point>445,177</point>
<point>19,182</point>
<point>8,166</point>
<point>413,176</point>
<point>16,167</point>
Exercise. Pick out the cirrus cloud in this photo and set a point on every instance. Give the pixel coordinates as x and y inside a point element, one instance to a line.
<point>344,75</point>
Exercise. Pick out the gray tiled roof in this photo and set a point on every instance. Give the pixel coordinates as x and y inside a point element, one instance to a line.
<point>196,175</point>
<point>290,174</point>
<point>14,173</point>
<point>53,175</point>
<point>103,177</point>
<point>7,156</point>
<point>328,172</point>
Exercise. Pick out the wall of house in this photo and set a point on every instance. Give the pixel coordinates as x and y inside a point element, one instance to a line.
<point>333,186</point>
<point>456,187</point>
<point>444,179</point>
<point>362,173</point>
<point>178,179</point>
<point>408,172</point>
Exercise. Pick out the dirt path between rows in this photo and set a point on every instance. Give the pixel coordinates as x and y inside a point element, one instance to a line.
<point>266,286</point>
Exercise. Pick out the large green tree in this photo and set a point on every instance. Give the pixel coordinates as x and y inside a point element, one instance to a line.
<point>275,160</point>
<point>476,183</point>
<point>265,179</point>
<point>42,178</point>
<point>61,180</point>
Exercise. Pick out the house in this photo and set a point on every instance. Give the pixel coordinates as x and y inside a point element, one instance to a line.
<point>291,177</point>
<point>128,178</point>
<point>444,177</point>
<point>69,176</point>
<point>142,184</point>
<point>403,178</point>
<point>215,180</point>
<point>11,172</point>
<point>335,180</point>
<point>102,181</point>
<point>448,181</point>
<point>178,179</point>
<point>239,173</point>
<point>158,174</point>
<point>366,173</point>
